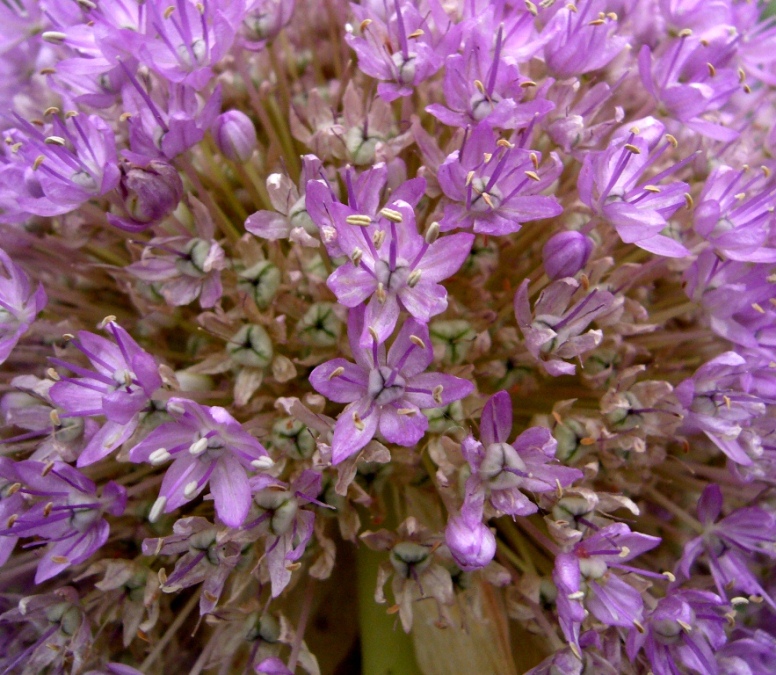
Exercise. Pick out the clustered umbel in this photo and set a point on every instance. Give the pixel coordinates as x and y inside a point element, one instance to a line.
<point>323,322</point>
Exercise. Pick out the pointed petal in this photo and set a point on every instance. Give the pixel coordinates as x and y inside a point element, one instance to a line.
<point>231,491</point>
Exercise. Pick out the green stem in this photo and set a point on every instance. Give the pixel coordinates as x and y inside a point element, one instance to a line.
<point>385,648</point>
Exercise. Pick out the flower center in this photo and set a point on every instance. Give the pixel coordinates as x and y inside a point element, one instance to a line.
<point>385,385</point>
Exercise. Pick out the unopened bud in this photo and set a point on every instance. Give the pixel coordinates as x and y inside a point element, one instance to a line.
<point>251,346</point>
<point>565,254</point>
<point>235,135</point>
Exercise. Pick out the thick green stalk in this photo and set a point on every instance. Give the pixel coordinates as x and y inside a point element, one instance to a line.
<point>385,648</point>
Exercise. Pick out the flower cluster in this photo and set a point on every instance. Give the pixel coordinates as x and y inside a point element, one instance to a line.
<point>324,323</point>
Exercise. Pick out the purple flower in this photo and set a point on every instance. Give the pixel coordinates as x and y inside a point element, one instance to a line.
<point>19,304</point>
<point>480,85</point>
<point>263,21</point>
<point>12,504</point>
<point>609,183</point>
<point>120,386</point>
<point>694,75</point>
<point>734,214</point>
<point>149,192</point>
<point>685,628</point>
<point>493,185</point>
<point>554,330</point>
<point>584,574</point>
<point>272,666</point>
<point>715,403</point>
<point>385,393</point>
<point>187,267</point>
<point>470,541</point>
<point>290,219</point>
<point>503,471</point>
<point>402,48</point>
<point>67,514</point>
<point>287,527</point>
<point>235,135</point>
<point>395,267</point>
<point>582,37</point>
<point>729,544</point>
<point>210,554</point>
<point>566,253</point>
<point>207,445</point>
<point>186,38</point>
<point>57,170</point>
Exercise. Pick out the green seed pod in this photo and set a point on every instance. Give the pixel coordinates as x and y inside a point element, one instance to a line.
<point>260,282</point>
<point>291,438</point>
<point>320,326</point>
<point>251,346</point>
<point>452,339</point>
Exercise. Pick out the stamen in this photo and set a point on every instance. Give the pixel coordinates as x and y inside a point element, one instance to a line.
<point>198,447</point>
<point>432,233</point>
<point>378,238</point>
<point>358,219</point>
<point>156,509</point>
<point>414,339</point>
<point>414,278</point>
<point>437,394</point>
<point>670,576</point>
<point>391,214</point>
<point>355,258</point>
<point>336,372</point>
<point>159,456</point>
<point>263,463</point>
<point>357,422</point>
<point>190,490</point>
<point>382,296</point>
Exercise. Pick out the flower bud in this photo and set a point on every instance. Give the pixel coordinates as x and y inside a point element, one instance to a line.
<point>265,19</point>
<point>320,326</point>
<point>150,192</point>
<point>261,282</point>
<point>566,253</point>
<point>471,542</point>
<point>235,135</point>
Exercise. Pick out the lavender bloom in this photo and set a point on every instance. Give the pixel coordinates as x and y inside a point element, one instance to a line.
<point>263,20</point>
<point>395,267</point>
<point>53,438</point>
<point>471,543</point>
<point>208,446</point>
<point>493,185</point>
<point>582,38</point>
<point>290,220</point>
<point>686,627</point>
<point>694,75</point>
<point>11,504</point>
<point>480,85</point>
<point>716,404</point>
<point>149,192</point>
<point>734,214</point>
<point>120,386</point>
<point>401,49</point>
<point>56,171</point>
<point>729,543</point>
<point>48,632</point>
<point>189,268</point>
<point>554,330</point>
<point>235,135</point>
<point>210,554</point>
<point>188,38</point>
<point>67,515</point>
<point>505,471</point>
<point>366,192</point>
<point>287,527</point>
<point>385,393</point>
<point>166,120</point>
<point>565,254</point>
<point>19,304</point>
<point>609,185</point>
<point>584,574</point>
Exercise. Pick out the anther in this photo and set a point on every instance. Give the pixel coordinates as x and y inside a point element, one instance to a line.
<point>53,36</point>
<point>670,576</point>
<point>156,509</point>
<point>487,156</point>
<point>688,200</point>
<point>190,490</point>
<point>86,4</point>
<point>54,140</point>
<point>534,160</point>
<point>578,595</point>
<point>531,7</point>
<point>373,333</point>
<point>409,412</point>
<point>13,489</point>
<point>414,278</point>
<point>533,175</point>
<point>378,238</point>
<point>159,456</point>
<point>60,560</point>
<point>52,110</point>
<point>47,469</point>
<point>382,296</point>
<point>685,32</point>
<point>361,220</point>
<point>632,148</point>
<point>47,509</point>
<point>391,214</point>
<point>712,69</point>
<point>758,308</point>
<point>739,600</point>
<point>197,448</point>
<point>11,520</point>
<point>414,339</point>
<point>107,320</point>
<point>635,130</point>
<point>336,372</point>
<point>432,233</point>
<point>504,143</point>
<point>672,140</point>
<point>168,12</point>
<point>527,84</point>
<point>639,627</point>
<point>38,161</point>
<point>364,25</point>
<point>480,86</point>
<point>686,626</point>
<point>558,488</point>
<point>416,33</point>
<point>436,392</point>
<point>355,258</point>
<point>263,462</point>
<point>469,178</point>
<point>652,188</point>
<point>357,422</point>
<point>54,417</point>
<point>624,552</point>
<point>125,116</point>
